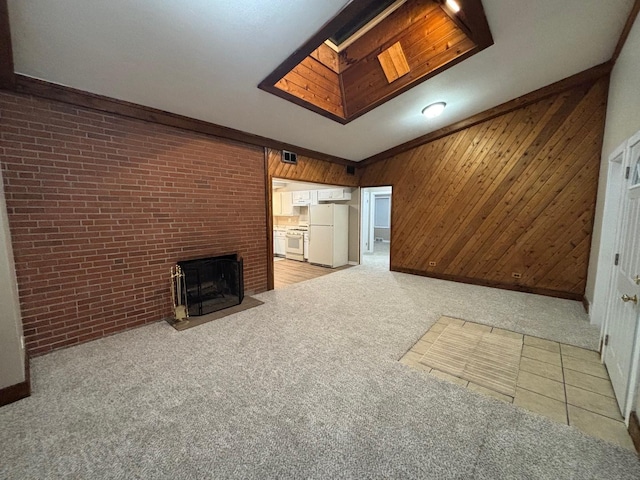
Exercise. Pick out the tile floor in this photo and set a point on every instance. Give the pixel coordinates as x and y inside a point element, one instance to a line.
<point>565,383</point>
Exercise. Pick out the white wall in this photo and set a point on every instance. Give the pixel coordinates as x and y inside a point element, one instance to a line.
<point>623,120</point>
<point>11,352</point>
<point>354,226</point>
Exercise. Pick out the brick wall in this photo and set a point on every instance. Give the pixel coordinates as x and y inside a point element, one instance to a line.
<point>101,206</point>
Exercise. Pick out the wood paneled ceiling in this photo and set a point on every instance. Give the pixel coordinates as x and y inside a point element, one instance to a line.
<point>409,42</point>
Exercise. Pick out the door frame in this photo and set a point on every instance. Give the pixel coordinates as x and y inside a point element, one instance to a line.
<point>606,268</point>
<point>367,197</point>
<point>365,223</point>
<point>634,371</point>
<point>634,374</point>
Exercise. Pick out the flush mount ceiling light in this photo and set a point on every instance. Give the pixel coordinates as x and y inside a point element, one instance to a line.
<point>433,110</point>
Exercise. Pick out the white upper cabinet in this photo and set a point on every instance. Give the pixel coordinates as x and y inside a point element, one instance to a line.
<point>283,204</point>
<point>277,203</point>
<point>333,194</point>
<point>302,198</point>
<point>287,204</point>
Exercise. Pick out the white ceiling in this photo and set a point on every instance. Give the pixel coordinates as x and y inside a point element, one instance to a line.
<point>205,58</point>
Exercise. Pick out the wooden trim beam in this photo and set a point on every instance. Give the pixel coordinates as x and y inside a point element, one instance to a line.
<point>7,75</point>
<point>303,103</point>
<point>473,16</point>
<point>487,283</point>
<point>587,76</point>
<point>40,88</point>
<point>269,207</point>
<point>625,31</point>
<point>472,20</point>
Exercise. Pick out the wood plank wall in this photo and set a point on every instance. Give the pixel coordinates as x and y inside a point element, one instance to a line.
<point>515,194</point>
<point>327,56</point>
<point>316,83</point>
<point>310,170</point>
<point>430,41</point>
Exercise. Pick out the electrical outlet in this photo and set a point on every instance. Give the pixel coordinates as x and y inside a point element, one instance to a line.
<point>432,264</point>
<point>22,341</point>
<point>516,275</point>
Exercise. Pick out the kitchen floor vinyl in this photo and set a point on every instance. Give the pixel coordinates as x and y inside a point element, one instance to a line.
<point>287,272</point>
<point>562,382</point>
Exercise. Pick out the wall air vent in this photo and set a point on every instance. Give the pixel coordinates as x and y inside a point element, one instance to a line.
<point>351,170</point>
<point>289,157</point>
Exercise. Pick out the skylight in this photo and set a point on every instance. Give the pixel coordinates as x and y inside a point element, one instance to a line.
<point>374,50</point>
<point>360,24</point>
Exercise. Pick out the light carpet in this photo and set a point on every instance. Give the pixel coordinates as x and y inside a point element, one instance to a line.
<point>306,386</point>
<point>193,321</point>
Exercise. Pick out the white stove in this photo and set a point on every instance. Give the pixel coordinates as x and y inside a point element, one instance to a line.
<point>294,249</point>
<point>298,228</point>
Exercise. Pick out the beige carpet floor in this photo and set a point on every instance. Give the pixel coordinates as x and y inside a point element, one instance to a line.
<point>193,321</point>
<point>308,385</point>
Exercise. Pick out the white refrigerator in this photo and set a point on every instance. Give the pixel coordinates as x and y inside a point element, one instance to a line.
<point>329,234</point>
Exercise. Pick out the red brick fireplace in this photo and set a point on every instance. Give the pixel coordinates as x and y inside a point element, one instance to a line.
<point>101,206</point>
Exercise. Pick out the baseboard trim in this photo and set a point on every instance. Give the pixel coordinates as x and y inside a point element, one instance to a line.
<point>21,390</point>
<point>486,283</point>
<point>634,430</point>
<point>14,393</point>
<point>353,263</point>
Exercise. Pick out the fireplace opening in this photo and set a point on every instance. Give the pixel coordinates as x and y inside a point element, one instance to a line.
<point>206,285</point>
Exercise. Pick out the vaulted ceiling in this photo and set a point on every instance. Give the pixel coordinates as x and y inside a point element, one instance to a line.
<point>204,59</point>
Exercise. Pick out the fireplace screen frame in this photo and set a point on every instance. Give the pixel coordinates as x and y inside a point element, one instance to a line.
<point>206,285</point>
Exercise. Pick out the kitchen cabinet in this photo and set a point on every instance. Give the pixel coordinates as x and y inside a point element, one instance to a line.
<point>324,195</point>
<point>279,243</point>
<point>302,198</point>
<point>287,204</point>
<point>283,204</point>
<point>334,194</point>
<point>276,203</point>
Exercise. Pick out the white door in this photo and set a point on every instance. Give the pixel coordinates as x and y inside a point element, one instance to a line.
<point>606,271</point>
<point>623,311</point>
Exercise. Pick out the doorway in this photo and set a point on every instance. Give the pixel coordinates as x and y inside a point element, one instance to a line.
<point>306,245</point>
<point>375,230</point>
